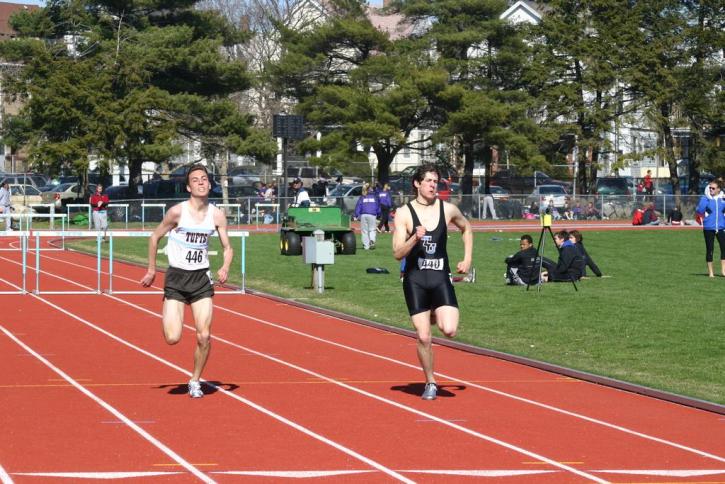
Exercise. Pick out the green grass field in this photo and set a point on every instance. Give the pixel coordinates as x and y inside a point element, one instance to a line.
<point>657,320</point>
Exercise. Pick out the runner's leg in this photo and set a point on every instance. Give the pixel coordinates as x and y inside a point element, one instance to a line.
<point>421,321</point>
<point>173,320</point>
<point>202,311</point>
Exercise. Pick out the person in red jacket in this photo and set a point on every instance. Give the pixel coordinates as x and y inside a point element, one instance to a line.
<point>99,203</point>
<point>648,185</point>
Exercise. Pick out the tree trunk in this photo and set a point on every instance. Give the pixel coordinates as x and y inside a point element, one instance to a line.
<point>385,159</point>
<point>665,110</point>
<point>134,175</point>
<point>467,180</point>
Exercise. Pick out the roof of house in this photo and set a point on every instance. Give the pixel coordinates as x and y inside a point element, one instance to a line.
<point>6,10</point>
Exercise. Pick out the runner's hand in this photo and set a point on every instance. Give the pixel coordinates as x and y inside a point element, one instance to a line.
<point>419,232</point>
<point>148,279</point>
<point>463,267</point>
<point>222,275</point>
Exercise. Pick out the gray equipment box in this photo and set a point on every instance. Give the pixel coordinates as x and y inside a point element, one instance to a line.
<point>320,252</point>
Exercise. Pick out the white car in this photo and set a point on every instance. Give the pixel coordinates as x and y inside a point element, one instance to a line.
<point>546,195</point>
<point>23,196</point>
<point>344,196</point>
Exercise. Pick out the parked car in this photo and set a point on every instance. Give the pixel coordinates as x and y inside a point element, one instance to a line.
<point>23,196</point>
<point>66,193</point>
<point>543,193</point>
<point>33,179</point>
<point>242,176</point>
<point>612,185</point>
<point>344,196</point>
<point>514,183</point>
<point>497,192</point>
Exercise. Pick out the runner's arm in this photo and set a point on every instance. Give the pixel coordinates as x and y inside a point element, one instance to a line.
<point>464,225</point>
<point>402,244</point>
<point>220,220</point>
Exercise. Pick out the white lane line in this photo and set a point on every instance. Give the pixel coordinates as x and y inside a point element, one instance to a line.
<point>95,475</point>
<point>4,477</point>
<point>150,438</point>
<point>479,435</point>
<point>455,379</point>
<point>478,473</point>
<point>667,473</point>
<point>293,474</point>
<point>480,387</point>
<point>247,402</point>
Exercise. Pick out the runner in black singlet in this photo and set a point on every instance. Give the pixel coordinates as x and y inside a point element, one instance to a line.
<point>427,283</point>
<point>420,238</point>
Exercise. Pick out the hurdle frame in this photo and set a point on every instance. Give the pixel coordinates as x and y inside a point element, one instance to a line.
<point>142,233</point>
<point>87,205</point>
<point>143,212</point>
<point>238,206</point>
<point>274,206</point>
<point>79,233</point>
<point>23,236</point>
<point>125,206</point>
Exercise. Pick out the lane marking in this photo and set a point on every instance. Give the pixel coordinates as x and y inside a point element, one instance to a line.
<point>442,375</point>
<point>4,477</point>
<point>666,473</point>
<point>247,402</point>
<point>293,474</point>
<point>95,475</point>
<point>150,438</point>
<point>312,373</point>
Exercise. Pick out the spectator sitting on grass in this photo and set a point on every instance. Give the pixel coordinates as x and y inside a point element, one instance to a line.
<point>577,212</point>
<point>522,267</point>
<point>675,216</point>
<point>591,212</point>
<point>649,217</point>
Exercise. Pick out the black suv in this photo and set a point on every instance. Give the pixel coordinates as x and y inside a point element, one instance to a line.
<point>612,185</point>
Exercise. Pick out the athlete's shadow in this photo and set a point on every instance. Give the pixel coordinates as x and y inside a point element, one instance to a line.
<point>183,388</point>
<point>417,389</point>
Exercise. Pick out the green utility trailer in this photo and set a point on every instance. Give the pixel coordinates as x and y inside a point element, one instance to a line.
<point>302,221</point>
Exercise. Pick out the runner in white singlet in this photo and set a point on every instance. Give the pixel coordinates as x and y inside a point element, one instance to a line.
<point>189,225</point>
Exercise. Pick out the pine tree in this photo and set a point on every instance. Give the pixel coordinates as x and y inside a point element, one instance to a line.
<point>123,80</point>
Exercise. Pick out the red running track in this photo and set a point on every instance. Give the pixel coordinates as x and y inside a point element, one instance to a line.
<point>91,391</point>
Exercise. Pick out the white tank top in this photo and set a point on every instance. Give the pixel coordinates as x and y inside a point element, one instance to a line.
<point>188,243</point>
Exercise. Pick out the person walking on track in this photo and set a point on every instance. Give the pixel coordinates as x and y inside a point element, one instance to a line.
<point>190,224</point>
<point>421,233</point>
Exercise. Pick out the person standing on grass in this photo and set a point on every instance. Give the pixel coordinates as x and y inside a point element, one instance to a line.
<point>99,203</point>
<point>190,224</point>
<point>711,209</point>
<point>367,211</point>
<point>421,233</point>
<point>5,204</point>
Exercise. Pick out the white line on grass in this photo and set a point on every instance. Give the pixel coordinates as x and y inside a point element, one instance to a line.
<point>150,438</point>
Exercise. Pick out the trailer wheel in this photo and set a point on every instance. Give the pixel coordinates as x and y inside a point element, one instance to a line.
<point>349,243</point>
<point>293,244</point>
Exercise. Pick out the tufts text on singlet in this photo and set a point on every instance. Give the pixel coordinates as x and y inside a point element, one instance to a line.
<point>188,243</point>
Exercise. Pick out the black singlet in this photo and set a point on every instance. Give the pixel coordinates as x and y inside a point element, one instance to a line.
<point>427,283</point>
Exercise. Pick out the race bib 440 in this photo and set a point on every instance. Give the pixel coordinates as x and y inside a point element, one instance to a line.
<point>430,264</point>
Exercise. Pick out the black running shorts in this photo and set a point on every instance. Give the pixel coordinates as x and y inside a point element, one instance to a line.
<point>187,286</point>
<point>427,290</point>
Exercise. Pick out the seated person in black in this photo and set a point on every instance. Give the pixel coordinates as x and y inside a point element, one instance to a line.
<point>570,265</point>
<point>578,239</point>
<point>522,267</point>
<point>675,216</point>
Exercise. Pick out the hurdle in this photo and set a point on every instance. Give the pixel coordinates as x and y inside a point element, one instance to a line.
<point>273,206</point>
<point>63,234</point>
<point>23,238</point>
<point>111,235</point>
<point>125,212</point>
<point>238,206</point>
<point>143,211</point>
<point>79,205</point>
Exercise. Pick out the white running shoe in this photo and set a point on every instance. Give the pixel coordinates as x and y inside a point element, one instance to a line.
<point>430,392</point>
<point>195,389</point>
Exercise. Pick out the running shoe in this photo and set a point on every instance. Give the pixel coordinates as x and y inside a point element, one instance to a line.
<point>430,392</point>
<point>195,389</point>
